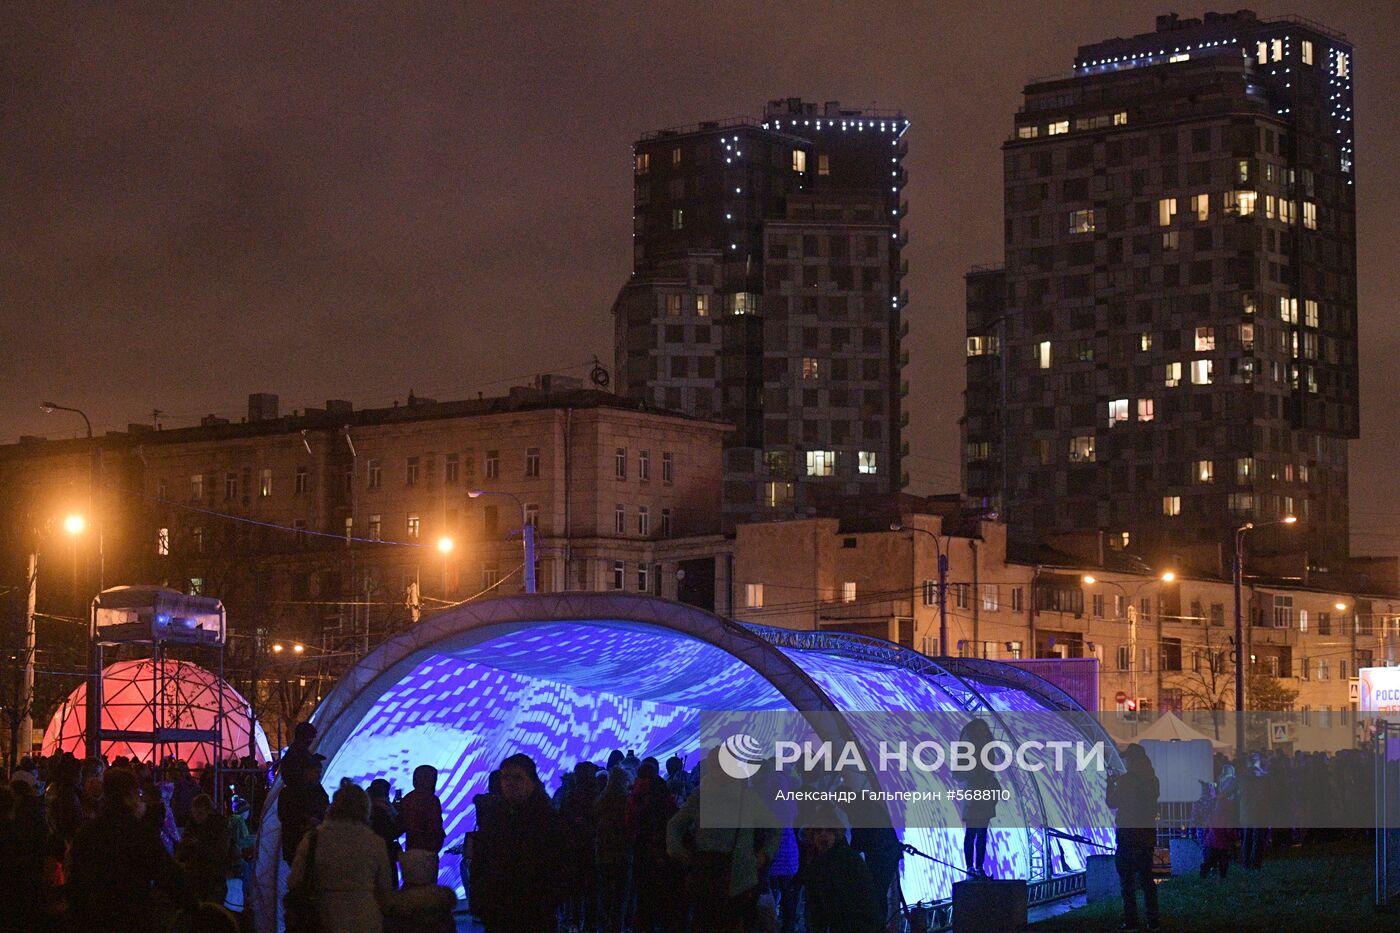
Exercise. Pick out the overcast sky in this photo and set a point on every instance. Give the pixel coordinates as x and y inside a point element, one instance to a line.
<point>206,200</point>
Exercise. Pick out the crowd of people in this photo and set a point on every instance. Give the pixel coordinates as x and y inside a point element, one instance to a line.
<point>1274,800</point>
<point>617,847</point>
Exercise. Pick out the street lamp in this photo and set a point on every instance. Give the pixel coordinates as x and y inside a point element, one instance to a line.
<point>49,408</point>
<point>1168,576</point>
<point>445,545</point>
<point>942,583</point>
<point>75,524</point>
<point>527,533</point>
<point>1239,626</point>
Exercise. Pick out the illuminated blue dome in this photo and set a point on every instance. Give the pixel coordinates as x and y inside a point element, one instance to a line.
<point>569,677</point>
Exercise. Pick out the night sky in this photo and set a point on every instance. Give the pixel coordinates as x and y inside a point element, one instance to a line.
<point>203,202</point>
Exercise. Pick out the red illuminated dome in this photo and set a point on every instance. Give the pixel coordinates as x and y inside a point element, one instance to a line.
<point>188,699</point>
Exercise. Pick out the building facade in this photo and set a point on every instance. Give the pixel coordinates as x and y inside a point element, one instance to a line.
<point>1161,644</point>
<point>767,261</point>
<point>1171,347</point>
<point>331,528</point>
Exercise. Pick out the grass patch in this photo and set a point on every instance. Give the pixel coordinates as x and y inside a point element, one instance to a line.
<point>1327,886</point>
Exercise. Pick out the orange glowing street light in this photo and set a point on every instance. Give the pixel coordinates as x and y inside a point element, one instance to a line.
<point>445,545</point>
<point>75,524</point>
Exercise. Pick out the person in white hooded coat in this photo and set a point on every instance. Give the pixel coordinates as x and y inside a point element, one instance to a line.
<point>352,877</point>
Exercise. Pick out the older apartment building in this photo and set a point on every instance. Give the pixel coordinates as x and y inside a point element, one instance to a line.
<point>1166,645</point>
<point>333,524</point>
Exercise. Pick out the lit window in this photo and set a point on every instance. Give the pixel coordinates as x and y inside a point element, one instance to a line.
<point>742,303</point>
<point>163,542</point>
<point>1200,206</point>
<point>1042,354</point>
<point>1117,411</point>
<point>1242,172</point>
<point>811,367</point>
<point>1120,118</point>
<point>643,163</point>
<point>702,305</point>
<point>197,587</point>
<point>673,304</point>
<point>866,462</point>
<point>983,346</point>
<point>823,164</point>
<point>414,524</point>
<point>1144,342</point>
<point>265,483</point>
<point>1171,505</point>
<point>1310,312</point>
<point>1310,215</point>
<point>1166,211</point>
<point>1144,409</point>
<point>1173,375</point>
<point>1205,338</point>
<point>777,495</point>
<point>1277,46</point>
<point>1306,51</point>
<point>1288,310</point>
<point>676,156</point>
<point>1081,221</point>
<point>821,463</point>
<point>1081,449</point>
<point>1343,64</point>
<point>677,219</point>
<point>1027,132</point>
<point>1268,207</point>
<point>1285,210</point>
<point>1202,372</point>
<point>979,450</point>
<point>1240,203</point>
<point>848,592</point>
<point>1204,471</point>
<point>1261,52</point>
<point>1055,129</point>
<point>799,160</point>
<point>1246,336</point>
<point>753,595</point>
<point>1178,57</point>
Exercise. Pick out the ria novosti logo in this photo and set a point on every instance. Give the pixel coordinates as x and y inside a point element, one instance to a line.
<point>740,756</point>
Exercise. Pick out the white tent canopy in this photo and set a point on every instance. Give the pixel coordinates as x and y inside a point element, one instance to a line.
<point>1170,728</point>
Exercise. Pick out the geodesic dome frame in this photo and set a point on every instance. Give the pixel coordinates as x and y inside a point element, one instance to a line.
<point>178,695</point>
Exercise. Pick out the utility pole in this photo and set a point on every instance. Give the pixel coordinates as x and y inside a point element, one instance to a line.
<point>23,733</point>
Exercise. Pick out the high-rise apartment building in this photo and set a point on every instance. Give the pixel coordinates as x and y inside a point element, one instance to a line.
<point>1171,349</point>
<point>766,292</point>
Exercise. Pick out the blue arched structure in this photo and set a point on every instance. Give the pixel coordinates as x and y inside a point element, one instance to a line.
<point>570,676</point>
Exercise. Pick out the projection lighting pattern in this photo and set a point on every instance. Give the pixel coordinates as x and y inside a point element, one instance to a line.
<point>545,676</point>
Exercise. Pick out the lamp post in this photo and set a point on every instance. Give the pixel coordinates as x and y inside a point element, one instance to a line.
<point>445,545</point>
<point>1238,575</point>
<point>94,685</point>
<point>942,583</point>
<point>1166,577</point>
<point>527,533</point>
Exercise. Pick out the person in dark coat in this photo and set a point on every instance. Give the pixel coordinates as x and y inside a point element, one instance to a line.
<point>981,806</point>
<point>302,805</point>
<point>384,820</point>
<point>841,896</point>
<point>421,814</point>
<point>206,851</point>
<point>518,859</point>
<point>117,862</point>
<point>1134,795</point>
<point>656,878</point>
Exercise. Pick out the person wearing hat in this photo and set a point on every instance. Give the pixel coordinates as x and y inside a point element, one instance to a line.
<point>1134,795</point>
<point>299,805</point>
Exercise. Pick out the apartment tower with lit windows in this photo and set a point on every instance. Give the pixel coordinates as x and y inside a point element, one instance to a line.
<point>1170,349</point>
<point>767,260</point>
